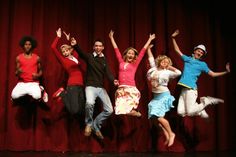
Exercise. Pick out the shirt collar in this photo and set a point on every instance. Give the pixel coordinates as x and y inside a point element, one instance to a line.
<point>95,54</point>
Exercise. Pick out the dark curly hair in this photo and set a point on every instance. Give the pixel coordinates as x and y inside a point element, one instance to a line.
<point>30,39</point>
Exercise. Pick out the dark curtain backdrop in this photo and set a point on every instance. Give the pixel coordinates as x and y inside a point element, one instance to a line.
<point>199,21</point>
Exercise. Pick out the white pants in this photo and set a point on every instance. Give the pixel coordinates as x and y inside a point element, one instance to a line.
<point>187,103</point>
<point>30,88</point>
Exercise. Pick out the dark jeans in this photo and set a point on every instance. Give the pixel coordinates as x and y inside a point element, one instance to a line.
<point>74,99</point>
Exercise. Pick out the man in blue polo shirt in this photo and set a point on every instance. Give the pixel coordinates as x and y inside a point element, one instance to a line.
<point>193,67</point>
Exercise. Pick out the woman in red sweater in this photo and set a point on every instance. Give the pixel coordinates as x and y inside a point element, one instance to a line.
<point>73,96</point>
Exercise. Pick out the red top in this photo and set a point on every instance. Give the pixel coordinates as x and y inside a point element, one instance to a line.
<point>28,67</point>
<point>72,68</point>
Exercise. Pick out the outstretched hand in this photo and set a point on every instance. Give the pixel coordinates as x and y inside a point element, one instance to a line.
<point>150,46</point>
<point>152,36</point>
<point>111,34</point>
<point>18,71</point>
<point>35,76</point>
<point>227,66</point>
<point>67,35</point>
<point>59,32</point>
<point>175,33</point>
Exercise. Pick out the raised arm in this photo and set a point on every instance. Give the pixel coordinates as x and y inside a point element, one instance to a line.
<point>176,47</point>
<point>216,74</point>
<point>58,33</point>
<point>113,42</point>
<point>117,51</point>
<point>151,57</point>
<point>67,35</point>
<point>143,50</point>
<point>151,37</point>
<point>54,44</point>
<point>82,54</point>
<point>57,53</point>
<point>149,51</point>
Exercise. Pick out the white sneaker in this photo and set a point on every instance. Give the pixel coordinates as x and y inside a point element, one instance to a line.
<point>203,114</point>
<point>210,100</point>
<point>44,94</point>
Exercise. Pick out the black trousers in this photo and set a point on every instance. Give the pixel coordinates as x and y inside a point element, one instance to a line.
<point>74,99</point>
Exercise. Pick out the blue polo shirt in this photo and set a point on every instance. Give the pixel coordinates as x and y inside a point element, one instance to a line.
<point>192,70</point>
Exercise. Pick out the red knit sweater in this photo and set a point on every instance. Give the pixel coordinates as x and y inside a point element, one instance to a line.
<point>73,69</point>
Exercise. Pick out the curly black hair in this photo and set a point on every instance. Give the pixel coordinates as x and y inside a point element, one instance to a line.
<point>30,39</point>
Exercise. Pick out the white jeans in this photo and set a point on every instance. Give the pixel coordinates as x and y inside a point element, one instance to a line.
<point>187,103</point>
<point>30,88</point>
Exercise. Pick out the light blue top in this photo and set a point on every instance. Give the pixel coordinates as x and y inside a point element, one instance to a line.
<point>192,70</point>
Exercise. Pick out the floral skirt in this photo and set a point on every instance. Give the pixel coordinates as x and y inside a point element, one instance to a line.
<point>160,104</point>
<point>126,99</point>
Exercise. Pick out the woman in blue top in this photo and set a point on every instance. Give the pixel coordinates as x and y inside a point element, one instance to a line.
<point>193,67</point>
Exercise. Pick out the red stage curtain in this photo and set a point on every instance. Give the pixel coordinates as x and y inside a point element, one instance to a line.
<point>199,22</point>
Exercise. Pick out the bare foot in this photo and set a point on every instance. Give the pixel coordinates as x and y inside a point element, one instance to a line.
<point>171,140</point>
<point>166,142</point>
<point>99,135</point>
<point>87,130</point>
<point>135,113</point>
<point>138,114</point>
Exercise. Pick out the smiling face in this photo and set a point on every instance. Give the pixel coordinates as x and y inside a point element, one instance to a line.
<point>66,50</point>
<point>198,53</point>
<point>98,47</point>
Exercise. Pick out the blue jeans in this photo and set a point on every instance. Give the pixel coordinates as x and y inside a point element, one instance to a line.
<point>91,94</point>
